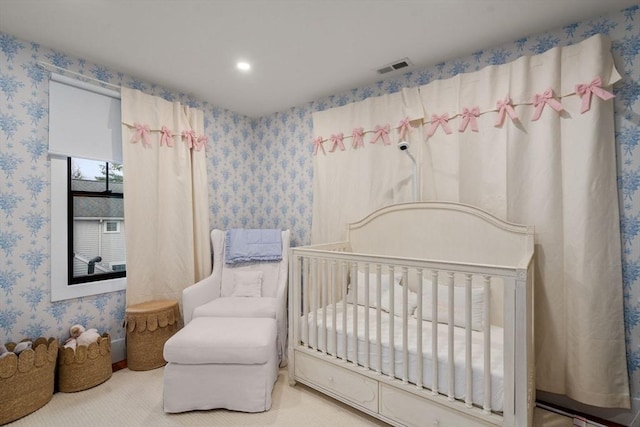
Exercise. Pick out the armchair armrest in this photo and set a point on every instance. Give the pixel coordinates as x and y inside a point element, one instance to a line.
<point>197,294</point>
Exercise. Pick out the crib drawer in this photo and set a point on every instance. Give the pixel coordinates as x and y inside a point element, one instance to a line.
<point>411,410</point>
<point>357,389</point>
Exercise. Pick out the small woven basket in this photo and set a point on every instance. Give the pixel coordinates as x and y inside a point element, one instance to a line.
<point>149,326</point>
<point>86,367</point>
<point>27,380</point>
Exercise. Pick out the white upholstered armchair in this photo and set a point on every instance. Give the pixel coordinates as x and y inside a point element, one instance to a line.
<point>230,290</point>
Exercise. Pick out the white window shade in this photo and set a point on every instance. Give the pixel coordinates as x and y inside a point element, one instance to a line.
<point>84,120</point>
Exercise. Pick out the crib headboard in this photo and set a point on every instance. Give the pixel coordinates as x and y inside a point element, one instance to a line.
<point>442,231</point>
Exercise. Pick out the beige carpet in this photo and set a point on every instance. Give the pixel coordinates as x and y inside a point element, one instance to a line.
<point>134,398</point>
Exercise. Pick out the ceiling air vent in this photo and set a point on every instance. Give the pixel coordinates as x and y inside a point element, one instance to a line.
<point>397,65</point>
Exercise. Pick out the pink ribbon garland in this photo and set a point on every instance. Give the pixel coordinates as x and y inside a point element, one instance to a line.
<point>382,132</point>
<point>166,137</point>
<point>337,142</point>
<point>504,106</point>
<point>190,136</point>
<point>469,116</point>
<point>403,129</point>
<point>584,90</point>
<point>357,134</point>
<point>318,143</point>
<point>142,133</point>
<point>202,141</point>
<point>542,99</point>
<point>442,120</point>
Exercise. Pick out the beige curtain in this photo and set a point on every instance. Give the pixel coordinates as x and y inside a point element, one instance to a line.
<point>556,171</point>
<point>166,197</point>
<point>349,184</point>
<point>559,174</point>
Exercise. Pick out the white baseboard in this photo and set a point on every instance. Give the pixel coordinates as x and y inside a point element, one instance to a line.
<point>118,350</point>
<point>625,417</point>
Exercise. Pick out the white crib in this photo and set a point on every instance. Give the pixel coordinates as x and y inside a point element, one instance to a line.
<point>414,280</point>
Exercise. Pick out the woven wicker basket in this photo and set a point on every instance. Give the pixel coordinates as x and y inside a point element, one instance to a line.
<point>85,367</point>
<point>149,326</point>
<point>27,380</point>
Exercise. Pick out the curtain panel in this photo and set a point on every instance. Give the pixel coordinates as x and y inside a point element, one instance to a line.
<point>556,171</point>
<point>166,197</point>
<point>365,170</point>
<point>531,141</point>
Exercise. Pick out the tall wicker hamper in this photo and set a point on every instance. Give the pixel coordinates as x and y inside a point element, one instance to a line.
<point>27,380</point>
<point>149,325</point>
<point>85,367</point>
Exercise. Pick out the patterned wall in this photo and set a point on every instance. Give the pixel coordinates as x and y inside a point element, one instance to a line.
<point>260,170</point>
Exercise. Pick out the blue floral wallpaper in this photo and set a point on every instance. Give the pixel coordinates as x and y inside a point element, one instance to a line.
<point>260,170</point>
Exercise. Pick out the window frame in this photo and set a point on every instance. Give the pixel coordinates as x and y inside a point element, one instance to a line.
<point>71,193</point>
<point>106,227</point>
<point>61,289</point>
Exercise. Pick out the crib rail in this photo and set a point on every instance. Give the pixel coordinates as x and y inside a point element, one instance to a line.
<point>324,278</point>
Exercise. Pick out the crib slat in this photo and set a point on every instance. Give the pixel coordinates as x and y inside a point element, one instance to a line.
<point>378,319</point>
<point>434,331</point>
<point>467,344</point>
<point>354,286</point>
<point>332,285</point>
<point>487,345</point>
<point>323,302</point>
<point>305,300</point>
<point>366,316</point>
<point>354,340</point>
<point>405,326</point>
<point>420,361</point>
<point>392,345</point>
<point>314,303</point>
<point>450,366</point>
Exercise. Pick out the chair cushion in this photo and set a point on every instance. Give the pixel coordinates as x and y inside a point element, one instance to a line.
<point>272,274</point>
<point>239,341</point>
<point>238,307</point>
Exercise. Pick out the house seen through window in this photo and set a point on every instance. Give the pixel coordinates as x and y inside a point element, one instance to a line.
<point>96,221</point>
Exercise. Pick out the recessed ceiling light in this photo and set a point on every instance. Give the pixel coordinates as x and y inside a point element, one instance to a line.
<point>243,66</point>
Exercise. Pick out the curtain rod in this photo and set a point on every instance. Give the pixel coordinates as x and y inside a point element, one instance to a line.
<point>46,65</point>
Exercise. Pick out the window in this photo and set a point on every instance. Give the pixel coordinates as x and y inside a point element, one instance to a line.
<point>118,266</point>
<point>86,211</point>
<point>95,216</point>
<point>112,226</point>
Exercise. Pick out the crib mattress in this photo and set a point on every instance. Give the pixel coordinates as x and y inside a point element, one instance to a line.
<point>317,340</point>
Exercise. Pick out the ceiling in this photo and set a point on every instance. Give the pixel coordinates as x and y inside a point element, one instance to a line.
<point>300,50</point>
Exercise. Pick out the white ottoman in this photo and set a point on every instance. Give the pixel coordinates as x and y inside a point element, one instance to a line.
<point>221,362</point>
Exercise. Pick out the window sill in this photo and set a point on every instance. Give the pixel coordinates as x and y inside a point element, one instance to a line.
<point>62,291</point>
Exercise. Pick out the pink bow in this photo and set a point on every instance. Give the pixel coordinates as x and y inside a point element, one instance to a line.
<point>595,87</point>
<point>469,116</point>
<point>357,137</point>
<point>142,132</point>
<point>403,128</point>
<point>436,121</point>
<point>540,100</point>
<point>166,137</point>
<point>504,106</point>
<point>202,141</point>
<point>337,142</point>
<point>190,136</point>
<point>382,132</point>
<point>318,143</point>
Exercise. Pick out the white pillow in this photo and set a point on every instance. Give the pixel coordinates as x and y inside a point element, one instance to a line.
<point>459,299</point>
<point>385,282</point>
<point>247,284</point>
<point>412,300</point>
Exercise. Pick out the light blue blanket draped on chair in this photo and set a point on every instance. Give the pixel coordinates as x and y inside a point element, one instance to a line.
<point>251,245</point>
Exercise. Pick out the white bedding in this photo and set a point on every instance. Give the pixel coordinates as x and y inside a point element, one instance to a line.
<point>477,349</point>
